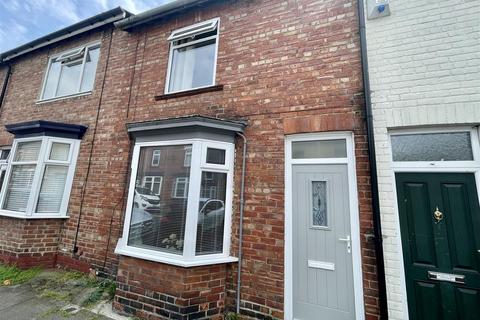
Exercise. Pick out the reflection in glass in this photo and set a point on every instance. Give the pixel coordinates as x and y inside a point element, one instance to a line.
<point>69,77</point>
<point>158,220</point>
<point>215,156</point>
<point>210,225</point>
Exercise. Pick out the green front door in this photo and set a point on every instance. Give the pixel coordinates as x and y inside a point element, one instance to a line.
<point>440,227</point>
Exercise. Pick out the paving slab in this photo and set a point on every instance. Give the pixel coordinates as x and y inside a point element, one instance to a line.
<point>21,302</point>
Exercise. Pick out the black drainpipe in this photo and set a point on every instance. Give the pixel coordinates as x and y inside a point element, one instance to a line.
<point>377,224</point>
<point>5,83</point>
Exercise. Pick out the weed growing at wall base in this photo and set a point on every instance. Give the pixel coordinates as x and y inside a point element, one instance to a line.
<point>11,275</point>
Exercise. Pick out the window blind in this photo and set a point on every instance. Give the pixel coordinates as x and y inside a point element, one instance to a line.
<point>211,214</point>
<point>19,188</point>
<point>52,189</point>
<point>158,223</point>
<point>27,151</point>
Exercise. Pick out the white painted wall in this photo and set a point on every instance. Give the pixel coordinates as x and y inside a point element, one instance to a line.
<point>425,71</point>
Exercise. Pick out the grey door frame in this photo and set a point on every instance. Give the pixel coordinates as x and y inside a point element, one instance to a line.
<point>354,214</point>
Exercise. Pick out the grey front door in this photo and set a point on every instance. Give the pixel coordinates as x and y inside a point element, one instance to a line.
<point>322,259</point>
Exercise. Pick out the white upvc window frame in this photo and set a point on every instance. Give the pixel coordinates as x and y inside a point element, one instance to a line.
<point>41,163</point>
<point>153,178</point>
<point>429,167</point>
<point>210,25</point>
<point>188,258</point>
<point>185,182</point>
<point>446,166</point>
<point>156,155</point>
<point>188,157</point>
<point>81,52</point>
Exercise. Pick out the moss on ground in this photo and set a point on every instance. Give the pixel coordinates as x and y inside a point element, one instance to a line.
<point>11,275</point>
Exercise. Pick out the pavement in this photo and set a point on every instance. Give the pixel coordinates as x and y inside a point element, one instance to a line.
<point>26,302</point>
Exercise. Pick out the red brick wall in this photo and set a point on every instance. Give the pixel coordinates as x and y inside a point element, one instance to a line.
<point>29,243</point>
<point>100,173</point>
<point>278,62</point>
<point>156,291</point>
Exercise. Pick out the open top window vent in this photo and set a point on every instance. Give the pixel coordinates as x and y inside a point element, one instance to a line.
<point>71,55</point>
<point>191,31</point>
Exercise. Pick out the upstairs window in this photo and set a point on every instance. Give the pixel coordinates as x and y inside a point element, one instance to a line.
<point>156,157</point>
<point>71,72</point>
<point>193,54</point>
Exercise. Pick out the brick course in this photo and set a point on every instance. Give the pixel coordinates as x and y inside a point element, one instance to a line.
<point>287,67</point>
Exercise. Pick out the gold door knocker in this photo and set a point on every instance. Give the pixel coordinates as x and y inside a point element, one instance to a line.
<point>438,215</point>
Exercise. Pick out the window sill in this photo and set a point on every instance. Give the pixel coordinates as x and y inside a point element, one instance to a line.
<point>11,214</point>
<point>190,92</point>
<point>124,250</point>
<point>80,94</point>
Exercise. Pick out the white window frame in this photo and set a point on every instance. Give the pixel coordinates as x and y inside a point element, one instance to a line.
<point>79,51</point>
<point>197,28</point>
<point>144,181</point>
<point>41,163</point>
<point>185,182</point>
<point>187,160</point>
<point>188,258</point>
<point>425,166</point>
<point>429,167</point>
<point>156,155</point>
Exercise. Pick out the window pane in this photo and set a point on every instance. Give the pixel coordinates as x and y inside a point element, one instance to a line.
<point>52,189</point>
<point>90,69</point>
<point>319,149</point>
<point>211,213</point>
<point>59,151</point>
<point>215,156</point>
<point>192,66</point>
<point>452,146</point>
<point>27,151</point>
<point>158,221</point>
<point>52,80</point>
<point>18,188</point>
<point>319,205</point>
<point>153,183</point>
<point>188,156</point>
<point>180,189</point>
<point>4,154</point>
<point>156,157</point>
<point>69,77</point>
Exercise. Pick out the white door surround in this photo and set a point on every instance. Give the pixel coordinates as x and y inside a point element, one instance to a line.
<point>432,167</point>
<point>354,214</point>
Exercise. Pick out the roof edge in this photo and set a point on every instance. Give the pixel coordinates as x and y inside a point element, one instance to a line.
<point>80,27</point>
<point>43,127</point>
<point>188,121</point>
<point>156,13</point>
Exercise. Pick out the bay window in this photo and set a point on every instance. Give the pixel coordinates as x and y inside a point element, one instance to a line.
<point>189,223</point>
<point>39,177</point>
<point>193,54</point>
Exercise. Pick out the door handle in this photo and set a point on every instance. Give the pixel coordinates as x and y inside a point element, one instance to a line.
<point>348,241</point>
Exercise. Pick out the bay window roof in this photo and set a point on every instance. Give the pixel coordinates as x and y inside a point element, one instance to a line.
<point>186,124</point>
<point>46,128</point>
<point>39,175</point>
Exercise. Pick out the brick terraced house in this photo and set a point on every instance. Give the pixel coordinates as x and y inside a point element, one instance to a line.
<point>172,148</point>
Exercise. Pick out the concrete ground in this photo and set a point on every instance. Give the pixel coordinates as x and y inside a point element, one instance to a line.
<point>37,299</point>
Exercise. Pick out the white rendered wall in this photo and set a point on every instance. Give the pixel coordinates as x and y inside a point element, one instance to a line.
<point>424,64</point>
